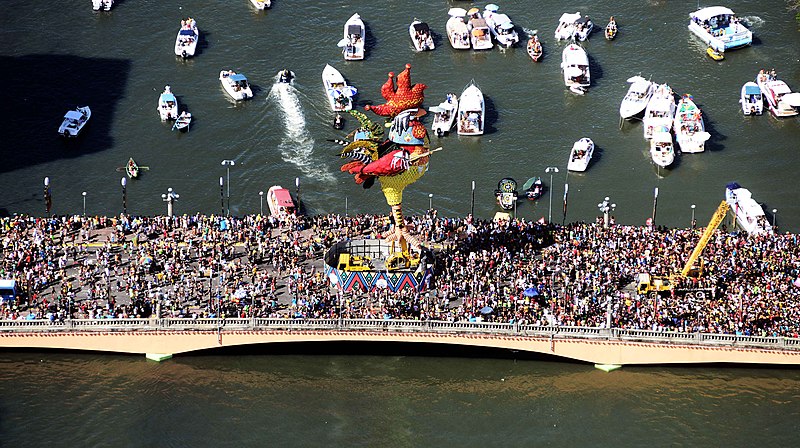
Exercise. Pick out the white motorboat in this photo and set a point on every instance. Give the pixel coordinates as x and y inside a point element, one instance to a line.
<point>752,100</point>
<point>444,115</point>
<point>749,213</point>
<point>479,34</point>
<point>583,27</point>
<point>690,131</point>
<point>353,41</point>
<point>661,149</point>
<point>780,99</point>
<point>74,121</point>
<point>639,94</point>
<point>235,85</point>
<point>500,26</point>
<point>471,111</point>
<point>421,36</point>
<point>280,201</point>
<point>167,105</point>
<point>261,4</point>
<point>104,5</point>
<point>186,41</point>
<point>567,26</point>
<point>457,31</point>
<point>718,27</point>
<point>575,65</point>
<point>660,111</point>
<point>580,154</point>
<point>339,94</point>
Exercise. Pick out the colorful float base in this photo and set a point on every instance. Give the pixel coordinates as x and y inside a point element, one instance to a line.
<point>362,265</point>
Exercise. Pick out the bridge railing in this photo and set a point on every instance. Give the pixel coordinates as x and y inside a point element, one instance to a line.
<point>395,325</point>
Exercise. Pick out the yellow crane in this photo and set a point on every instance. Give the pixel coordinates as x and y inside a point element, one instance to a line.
<point>650,283</point>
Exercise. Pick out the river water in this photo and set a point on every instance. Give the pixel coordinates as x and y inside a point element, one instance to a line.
<point>118,63</point>
<point>54,58</point>
<point>297,398</point>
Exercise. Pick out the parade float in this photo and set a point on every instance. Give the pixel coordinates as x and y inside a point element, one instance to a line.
<point>397,259</point>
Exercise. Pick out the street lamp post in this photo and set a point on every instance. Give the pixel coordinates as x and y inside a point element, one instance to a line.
<point>430,202</point>
<point>228,164</point>
<point>297,192</point>
<point>222,195</point>
<point>606,207</point>
<point>655,205</point>
<point>774,218</point>
<point>84,203</point>
<point>550,170</point>
<point>472,206</point>
<point>693,223</point>
<point>48,200</point>
<point>170,199</point>
<point>261,201</point>
<point>124,182</point>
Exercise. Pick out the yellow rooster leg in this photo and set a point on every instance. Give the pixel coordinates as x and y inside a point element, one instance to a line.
<point>400,232</point>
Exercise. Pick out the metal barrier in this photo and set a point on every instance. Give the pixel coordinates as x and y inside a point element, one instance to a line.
<point>394,325</point>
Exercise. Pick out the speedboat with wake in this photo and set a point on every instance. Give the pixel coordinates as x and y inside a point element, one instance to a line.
<point>235,85</point>
<point>690,131</point>
<point>661,150</point>
<point>457,30</point>
<point>285,76</point>
<point>339,94</point>
<point>261,4</point>
<point>749,213</point>
<point>74,121</point>
<point>471,111</point>
<point>353,41</point>
<point>444,115</point>
<point>635,101</point>
<point>186,41</point>
<point>167,105</point>
<point>580,155</point>
<point>575,65</point>
<point>660,111</point>
<point>421,36</point>
<point>752,100</point>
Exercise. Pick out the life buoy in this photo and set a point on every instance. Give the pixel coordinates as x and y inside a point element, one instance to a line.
<point>700,295</point>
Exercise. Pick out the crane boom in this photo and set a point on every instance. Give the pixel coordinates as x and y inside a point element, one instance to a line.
<point>716,219</point>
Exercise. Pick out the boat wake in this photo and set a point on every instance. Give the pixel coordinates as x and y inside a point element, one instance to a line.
<point>297,145</point>
<point>753,21</point>
<point>529,32</point>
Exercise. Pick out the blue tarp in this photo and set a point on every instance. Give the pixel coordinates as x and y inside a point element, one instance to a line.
<point>238,77</point>
<point>752,90</point>
<point>187,32</point>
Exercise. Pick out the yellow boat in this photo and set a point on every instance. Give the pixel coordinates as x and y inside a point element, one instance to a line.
<point>714,54</point>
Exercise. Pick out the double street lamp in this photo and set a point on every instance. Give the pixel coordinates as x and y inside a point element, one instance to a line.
<point>124,183</point>
<point>693,223</point>
<point>550,170</point>
<point>774,218</point>
<point>170,199</point>
<point>606,207</point>
<point>84,203</point>
<point>430,202</point>
<point>261,201</point>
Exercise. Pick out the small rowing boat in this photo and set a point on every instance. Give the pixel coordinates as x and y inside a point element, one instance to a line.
<point>132,169</point>
<point>182,123</point>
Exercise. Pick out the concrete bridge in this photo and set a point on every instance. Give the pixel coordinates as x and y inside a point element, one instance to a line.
<point>606,348</point>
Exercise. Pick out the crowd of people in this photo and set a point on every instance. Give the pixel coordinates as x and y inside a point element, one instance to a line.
<point>581,274</point>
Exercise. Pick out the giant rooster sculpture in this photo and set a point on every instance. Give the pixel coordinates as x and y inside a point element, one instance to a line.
<point>401,97</point>
<point>399,161</point>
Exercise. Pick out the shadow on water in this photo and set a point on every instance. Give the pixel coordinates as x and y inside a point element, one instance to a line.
<point>595,70</point>
<point>52,85</point>
<point>491,116</point>
<point>714,143</point>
